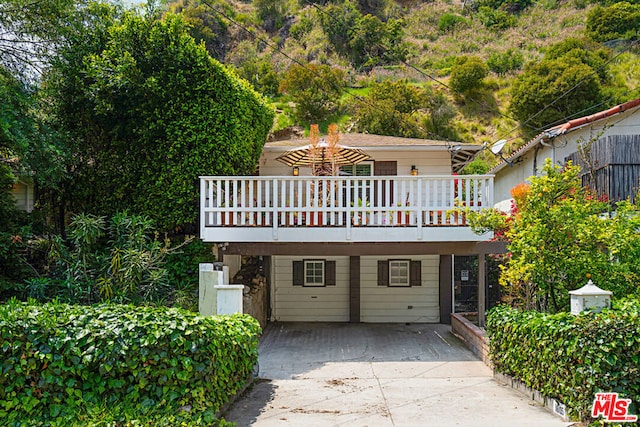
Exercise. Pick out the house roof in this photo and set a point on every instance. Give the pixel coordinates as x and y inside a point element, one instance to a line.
<point>563,129</point>
<point>461,153</point>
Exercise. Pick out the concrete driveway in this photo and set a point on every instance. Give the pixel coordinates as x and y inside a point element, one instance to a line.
<point>319,374</point>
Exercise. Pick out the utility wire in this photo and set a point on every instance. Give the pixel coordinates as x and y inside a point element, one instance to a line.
<point>421,72</point>
<point>277,49</point>
<point>428,76</point>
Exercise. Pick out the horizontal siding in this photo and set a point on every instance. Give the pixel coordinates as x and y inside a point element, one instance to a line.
<point>309,304</point>
<point>381,304</point>
<point>427,162</point>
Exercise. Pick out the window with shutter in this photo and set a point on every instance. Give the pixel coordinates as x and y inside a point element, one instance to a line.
<point>314,273</point>
<point>399,273</point>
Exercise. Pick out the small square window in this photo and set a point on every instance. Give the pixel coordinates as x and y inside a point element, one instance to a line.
<point>399,273</point>
<point>314,273</point>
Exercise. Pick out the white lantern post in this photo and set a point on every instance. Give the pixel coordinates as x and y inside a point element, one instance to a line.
<point>589,297</point>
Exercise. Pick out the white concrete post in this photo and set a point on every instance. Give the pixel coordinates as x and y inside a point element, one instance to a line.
<point>209,279</point>
<point>207,299</point>
<point>229,298</point>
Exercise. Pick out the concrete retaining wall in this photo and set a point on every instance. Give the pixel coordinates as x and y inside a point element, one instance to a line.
<point>558,408</point>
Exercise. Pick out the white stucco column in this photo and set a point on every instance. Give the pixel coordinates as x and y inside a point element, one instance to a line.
<point>229,299</point>
<point>208,279</point>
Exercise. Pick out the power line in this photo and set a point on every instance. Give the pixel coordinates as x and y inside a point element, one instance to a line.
<point>277,49</point>
<point>421,72</point>
<point>510,132</point>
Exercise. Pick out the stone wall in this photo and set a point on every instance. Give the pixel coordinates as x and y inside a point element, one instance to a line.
<point>254,301</point>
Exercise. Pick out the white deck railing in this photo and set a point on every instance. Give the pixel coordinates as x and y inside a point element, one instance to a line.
<point>380,201</point>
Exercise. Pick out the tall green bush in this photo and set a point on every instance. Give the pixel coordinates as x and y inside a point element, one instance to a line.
<point>468,73</point>
<point>504,62</point>
<point>617,21</point>
<point>156,111</point>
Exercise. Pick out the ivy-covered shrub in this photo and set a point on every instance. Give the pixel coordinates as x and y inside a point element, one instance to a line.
<point>57,358</point>
<point>568,357</point>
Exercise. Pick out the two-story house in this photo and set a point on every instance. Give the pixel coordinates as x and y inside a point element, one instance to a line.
<point>373,244</point>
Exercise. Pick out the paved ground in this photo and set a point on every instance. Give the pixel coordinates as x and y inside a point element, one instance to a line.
<point>316,374</point>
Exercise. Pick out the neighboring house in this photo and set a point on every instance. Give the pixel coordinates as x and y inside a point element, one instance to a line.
<point>23,193</point>
<point>375,244</point>
<point>610,158</point>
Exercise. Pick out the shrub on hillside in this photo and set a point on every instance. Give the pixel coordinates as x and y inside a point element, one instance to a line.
<point>450,22</point>
<point>504,62</point>
<point>618,21</point>
<point>57,359</point>
<point>467,74</point>
<point>315,89</point>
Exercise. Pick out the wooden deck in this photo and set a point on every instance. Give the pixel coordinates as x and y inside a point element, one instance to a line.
<point>338,209</point>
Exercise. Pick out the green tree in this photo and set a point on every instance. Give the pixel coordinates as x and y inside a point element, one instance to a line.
<point>272,13</point>
<point>438,123</point>
<point>205,24</point>
<point>570,78</point>
<point>504,62</point>
<point>315,89</point>
<point>255,68</point>
<point>32,30</point>
<point>536,94</point>
<point>392,108</point>
<point>618,21</point>
<point>146,111</point>
<point>467,74</point>
<point>556,237</point>
<point>582,50</point>
<point>363,39</point>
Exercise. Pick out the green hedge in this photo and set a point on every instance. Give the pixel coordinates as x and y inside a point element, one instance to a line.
<point>568,357</point>
<point>58,358</point>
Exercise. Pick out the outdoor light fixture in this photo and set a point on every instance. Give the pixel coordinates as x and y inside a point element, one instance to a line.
<point>296,171</point>
<point>414,170</point>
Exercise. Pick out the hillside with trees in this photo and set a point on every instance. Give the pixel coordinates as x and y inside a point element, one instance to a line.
<point>473,71</point>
